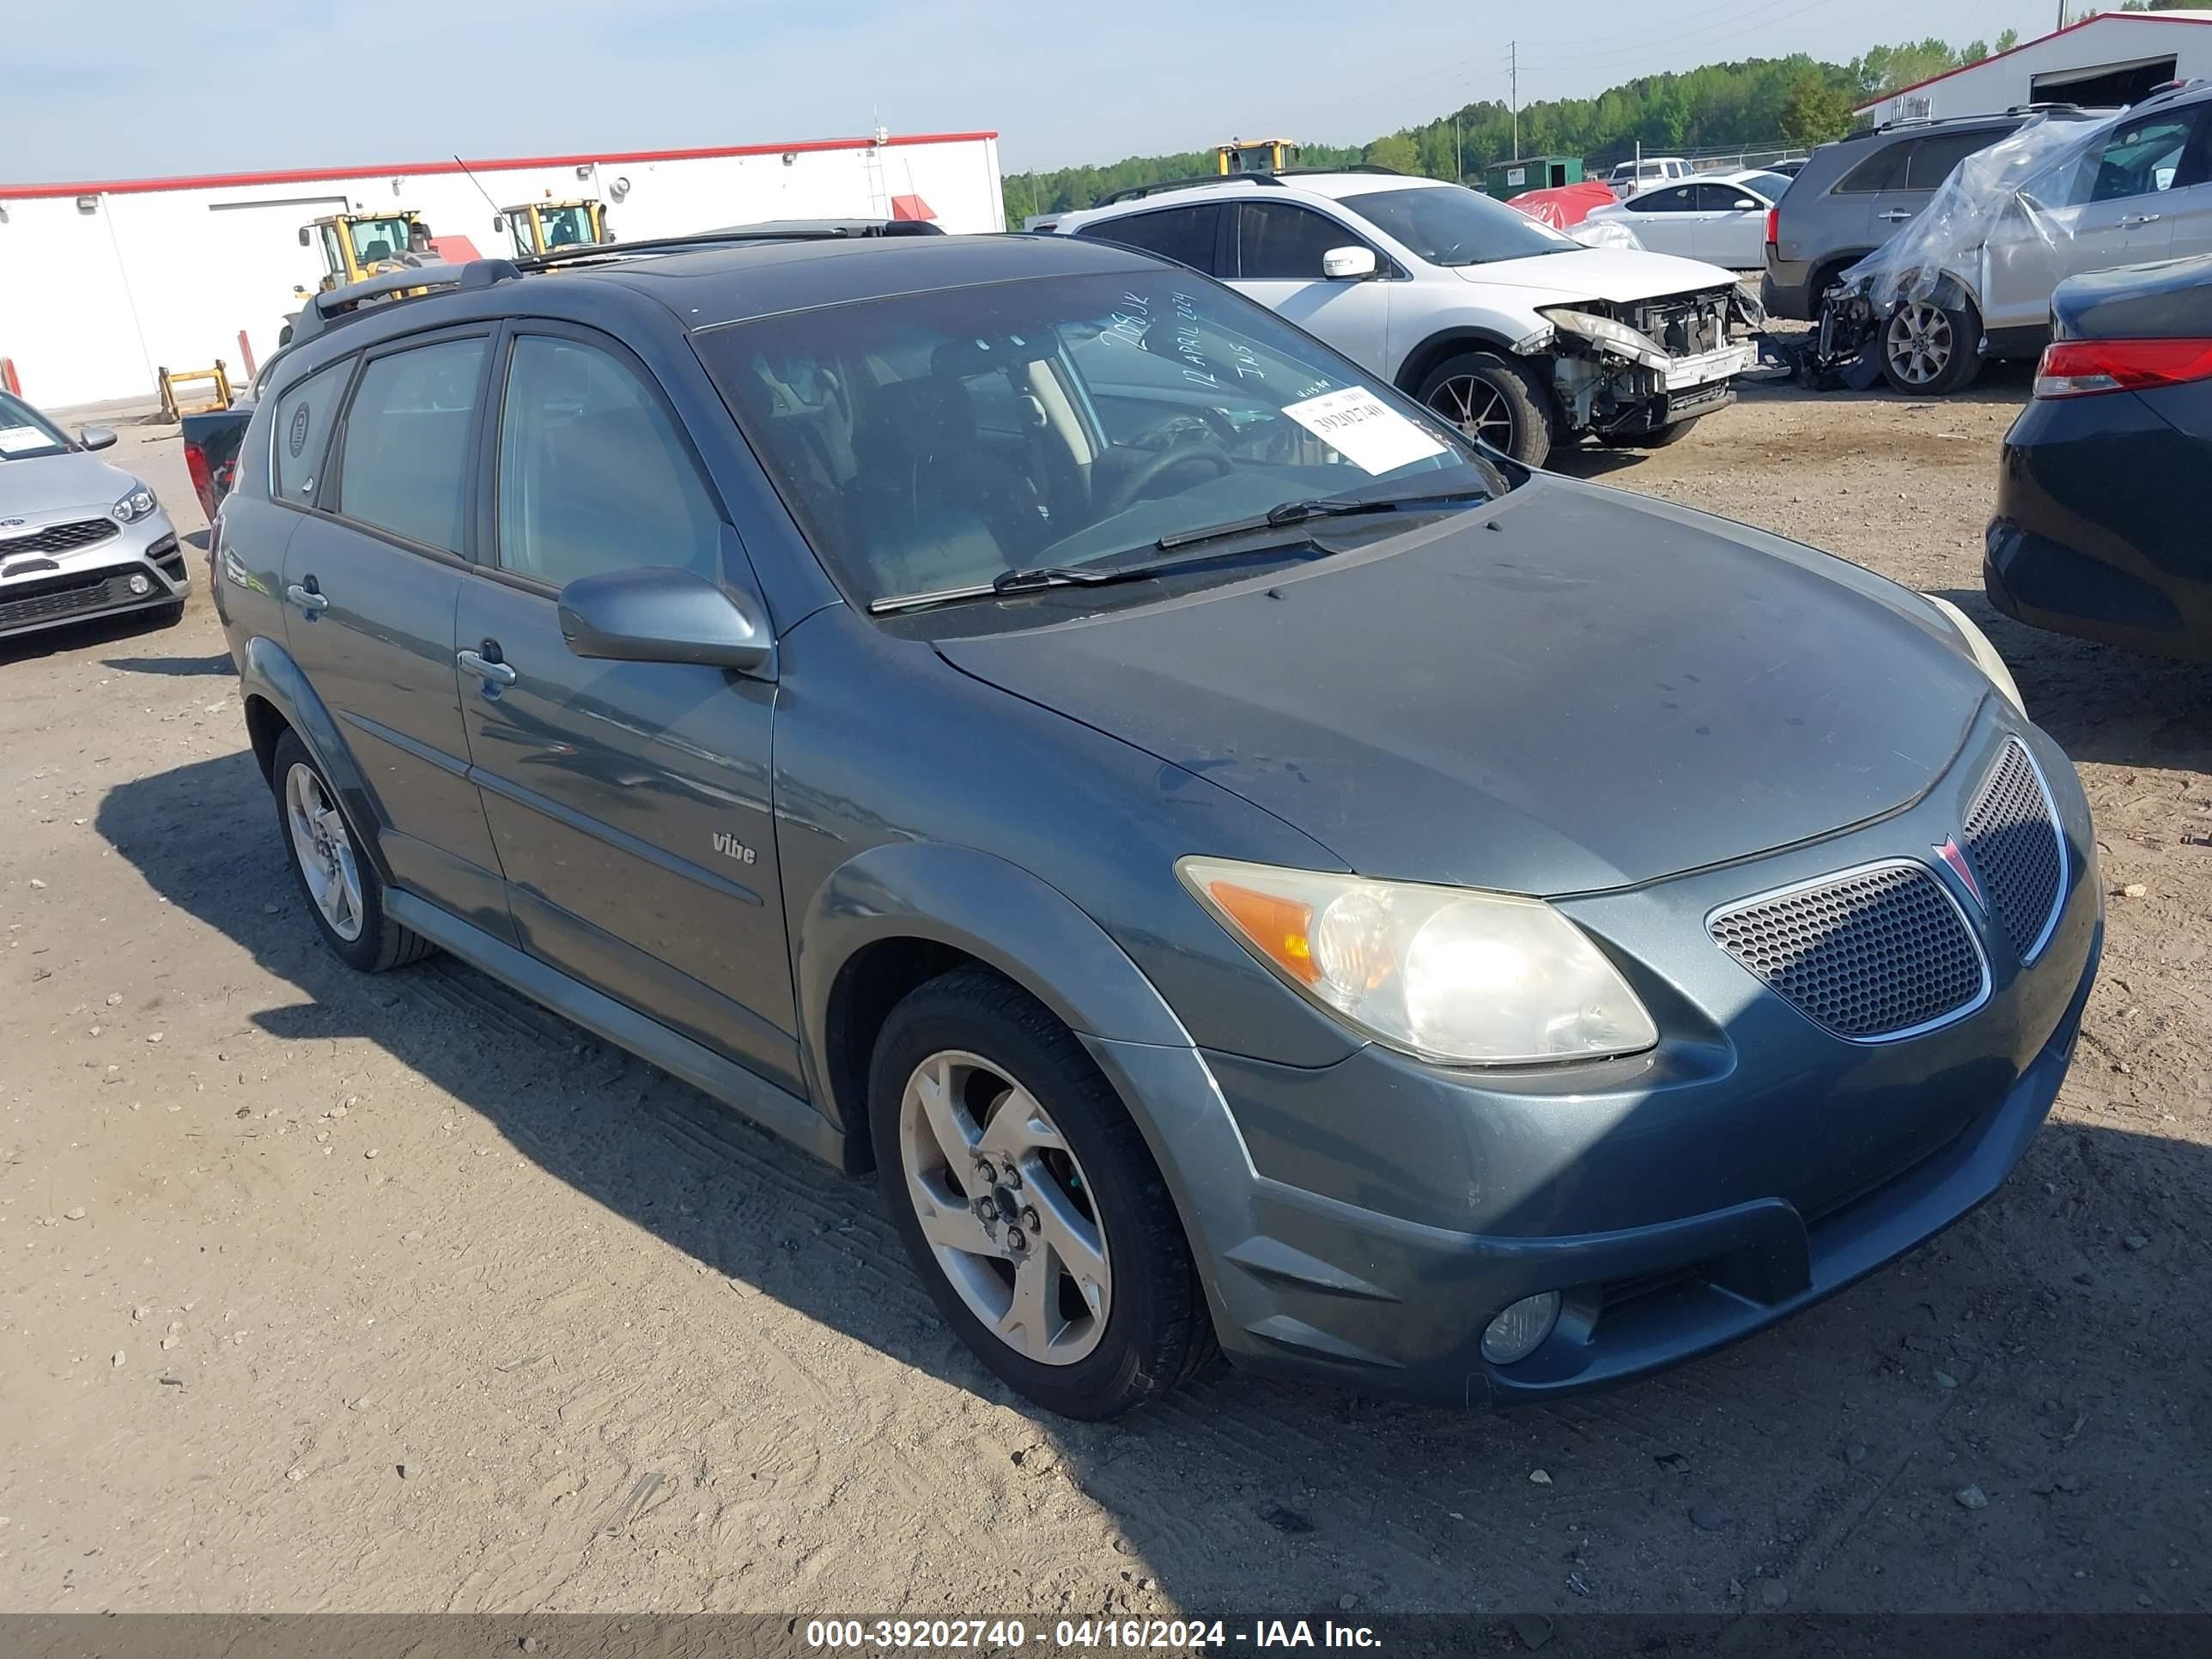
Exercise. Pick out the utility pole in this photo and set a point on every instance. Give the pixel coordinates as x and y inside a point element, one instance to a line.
<point>1459,154</point>
<point>1513,60</point>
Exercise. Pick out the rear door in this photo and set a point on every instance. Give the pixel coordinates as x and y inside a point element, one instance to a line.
<point>2117,208</point>
<point>371,581</point>
<point>629,802</point>
<point>1280,246</point>
<point>2187,202</point>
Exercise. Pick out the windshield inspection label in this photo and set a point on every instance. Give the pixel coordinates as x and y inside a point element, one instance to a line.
<point>15,439</point>
<point>1364,429</point>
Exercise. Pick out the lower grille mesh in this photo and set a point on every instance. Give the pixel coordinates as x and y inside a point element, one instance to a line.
<point>2012,836</point>
<point>1866,954</point>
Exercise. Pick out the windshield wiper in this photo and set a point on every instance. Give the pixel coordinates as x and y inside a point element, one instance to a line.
<point>1283,516</point>
<point>1289,513</point>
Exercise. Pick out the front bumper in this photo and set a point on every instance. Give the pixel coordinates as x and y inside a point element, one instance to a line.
<point>1364,1221</point>
<point>142,567</point>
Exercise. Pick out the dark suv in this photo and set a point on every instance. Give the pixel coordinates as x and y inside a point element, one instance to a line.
<point>1244,863</point>
<point>1852,194</point>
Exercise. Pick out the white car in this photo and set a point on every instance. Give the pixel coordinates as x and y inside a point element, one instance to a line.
<point>1632,176</point>
<point>1515,332</point>
<point>1719,217</point>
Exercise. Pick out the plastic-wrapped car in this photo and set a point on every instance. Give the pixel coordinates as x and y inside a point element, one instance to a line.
<point>1972,274</point>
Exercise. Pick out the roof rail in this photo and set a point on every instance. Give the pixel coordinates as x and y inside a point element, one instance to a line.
<point>328,309</point>
<point>1136,192</point>
<point>2168,89</point>
<point>2042,107</point>
<point>773,230</point>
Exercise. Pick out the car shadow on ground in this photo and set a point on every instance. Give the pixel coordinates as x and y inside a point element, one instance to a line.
<point>218,666</point>
<point>2103,703</point>
<point>2003,384</point>
<point>77,636</point>
<point>1812,1459</point>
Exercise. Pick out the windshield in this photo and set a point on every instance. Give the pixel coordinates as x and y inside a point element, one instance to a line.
<point>939,440</point>
<point>378,239</point>
<point>25,433</point>
<point>567,226</point>
<point>1447,226</point>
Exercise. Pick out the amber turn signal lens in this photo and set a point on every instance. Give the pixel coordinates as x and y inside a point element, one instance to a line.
<point>1282,927</point>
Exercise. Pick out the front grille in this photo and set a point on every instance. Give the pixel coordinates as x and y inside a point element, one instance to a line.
<point>2012,836</point>
<point>1870,954</point>
<point>60,596</point>
<point>58,537</point>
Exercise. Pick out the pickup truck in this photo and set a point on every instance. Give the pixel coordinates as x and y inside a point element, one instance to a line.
<point>211,439</point>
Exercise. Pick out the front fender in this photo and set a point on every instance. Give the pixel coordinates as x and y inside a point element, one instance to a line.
<point>994,911</point>
<point>1037,937</point>
<point>267,671</point>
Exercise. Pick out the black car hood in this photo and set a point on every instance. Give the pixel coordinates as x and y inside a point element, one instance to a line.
<point>1570,689</point>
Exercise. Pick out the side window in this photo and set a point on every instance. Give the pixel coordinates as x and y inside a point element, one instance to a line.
<point>300,436</point>
<point>1932,159</point>
<point>1722,198</point>
<point>2138,159</point>
<point>1280,241</point>
<point>1677,200</point>
<point>404,465</point>
<point>593,475</point>
<point>1183,234</point>
<point>1883,170</point>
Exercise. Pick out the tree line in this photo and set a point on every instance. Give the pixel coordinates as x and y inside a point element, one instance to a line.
<point>1796,101</point>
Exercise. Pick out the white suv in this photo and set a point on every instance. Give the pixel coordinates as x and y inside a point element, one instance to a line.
<point>1632,176</point>
<point>1518,334</point>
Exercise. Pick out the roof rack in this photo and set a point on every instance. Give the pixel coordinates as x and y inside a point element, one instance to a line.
<point>1137,192</point>
<point>2168,89</point>
<point>773,230</point>
<point>328,309</point>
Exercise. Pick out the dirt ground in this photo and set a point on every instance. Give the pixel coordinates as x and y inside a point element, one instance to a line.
<point>321,1292</point>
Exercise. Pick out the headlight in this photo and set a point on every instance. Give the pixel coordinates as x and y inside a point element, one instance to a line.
<point>136,505</point>
<point>1444,972</point>
<point>1984,653</point>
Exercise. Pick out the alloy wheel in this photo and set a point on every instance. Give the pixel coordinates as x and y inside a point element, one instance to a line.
<point>1005,1207</point>
<point>1920,343</point>
<point>324,852</point>
<point>1476,408</point>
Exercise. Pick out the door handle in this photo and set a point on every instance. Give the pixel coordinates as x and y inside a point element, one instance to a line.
<point>489,669</point>
<point>307,598</point>
<point>2134,219</point>
<point>1895,214</point>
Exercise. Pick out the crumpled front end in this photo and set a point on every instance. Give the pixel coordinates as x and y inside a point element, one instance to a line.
<point>1623,369</point>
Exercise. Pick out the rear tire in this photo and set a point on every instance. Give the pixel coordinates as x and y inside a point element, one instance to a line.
<point>333,872</point>
<point>1497,400</point>
<point>1929,350</point>
<point>1115,1314</point>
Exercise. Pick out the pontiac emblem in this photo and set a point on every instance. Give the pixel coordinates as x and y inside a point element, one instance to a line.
<point>1947,850</point>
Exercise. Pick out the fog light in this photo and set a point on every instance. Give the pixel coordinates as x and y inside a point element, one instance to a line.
<point>1521,1329</point>
<point>139,584</point>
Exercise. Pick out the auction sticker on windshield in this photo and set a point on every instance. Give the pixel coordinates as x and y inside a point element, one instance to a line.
<point>1364,429</point>
<point>15,439</point>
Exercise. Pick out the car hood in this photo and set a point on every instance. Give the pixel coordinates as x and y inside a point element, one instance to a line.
<point>1617,274</point>
<point>1569,690</point>
<point>41,487</point>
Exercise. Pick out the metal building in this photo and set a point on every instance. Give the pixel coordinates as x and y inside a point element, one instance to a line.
<point>2111,59</point>
<point>103,284</point>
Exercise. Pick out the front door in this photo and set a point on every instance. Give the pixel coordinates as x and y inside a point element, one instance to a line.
<point>1665,221</point>
<point>2113,207</point>
<point>1731,227</point>
<point>630,802</point>
<point>1280,246</point>
<point>370,584</point>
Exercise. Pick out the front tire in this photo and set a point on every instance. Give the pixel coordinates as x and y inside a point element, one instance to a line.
<point>1496,399</point>
<point>335,876</point>
<point>1929,350</point>
<point>1029,1200</point>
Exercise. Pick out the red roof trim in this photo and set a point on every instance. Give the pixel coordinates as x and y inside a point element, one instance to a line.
<point>2100,17</point>
<point>421,169</point>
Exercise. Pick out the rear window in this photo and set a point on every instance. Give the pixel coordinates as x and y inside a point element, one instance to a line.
<point>1184,234</point>
<point>1933,158</point>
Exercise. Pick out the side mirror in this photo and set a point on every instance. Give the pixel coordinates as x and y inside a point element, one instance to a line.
<point>1744,202</point>
<point>659,613</point>
<point>96,437</point>
<point>1348,265</point>
<point>498,223</point>
<point>307,238</point>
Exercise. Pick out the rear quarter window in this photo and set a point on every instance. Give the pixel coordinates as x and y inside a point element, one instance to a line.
<point>300,432</point>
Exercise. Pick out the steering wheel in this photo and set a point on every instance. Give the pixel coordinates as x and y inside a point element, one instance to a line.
<point>1193,448</point>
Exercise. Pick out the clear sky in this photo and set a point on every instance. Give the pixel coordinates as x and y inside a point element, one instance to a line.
<point>113,89</point>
